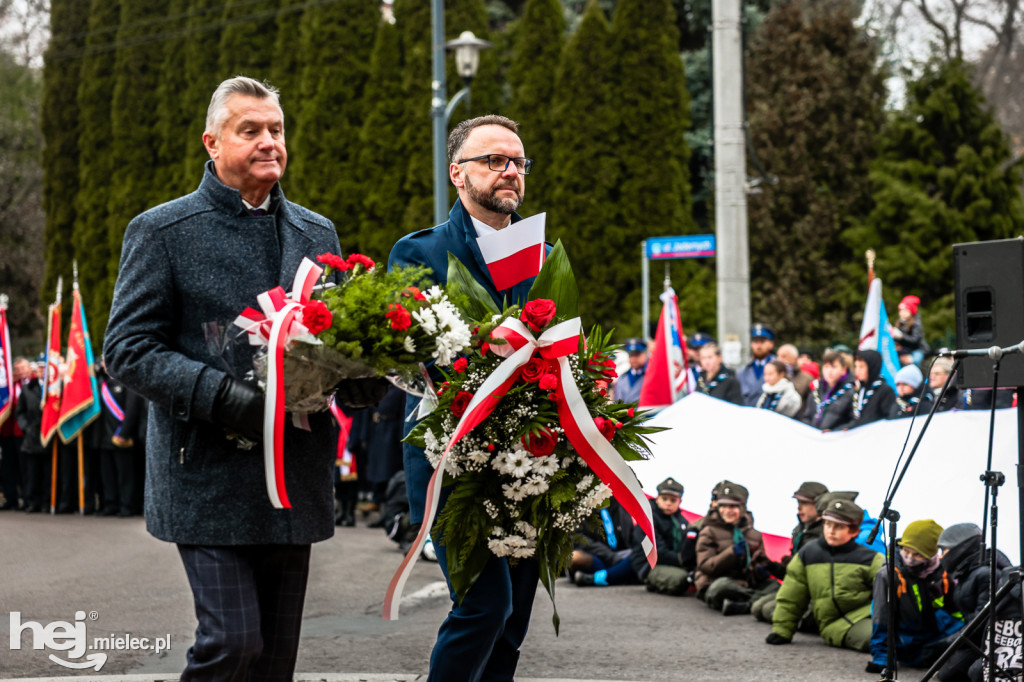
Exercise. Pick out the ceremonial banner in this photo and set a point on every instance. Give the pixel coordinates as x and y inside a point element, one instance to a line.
<point>80,402</point>
<point>666,379</point>
<point>876,334</point>
<point>515,253</point>
<point>52,379</point>
<point>7,390</point>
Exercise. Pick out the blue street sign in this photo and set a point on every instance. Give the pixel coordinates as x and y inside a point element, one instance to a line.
<point>686,246</point>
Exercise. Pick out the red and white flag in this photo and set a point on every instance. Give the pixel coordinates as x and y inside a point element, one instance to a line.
<point>515,253</point>
<point>53,380</point>
<point>667,370</point>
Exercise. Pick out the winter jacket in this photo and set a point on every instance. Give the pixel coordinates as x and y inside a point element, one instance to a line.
<point>724,386</point>
<point>837,581</point>
<point>30,418</point>
<point>924,618</point>
<point>874,399</point>
<point>672,544</point>
<point>968,569</point>
<point>610,535</point>
<point>751,377</point>
<point>716,558</point>
<point>913,336</point>
<point>781,398</point>
<point>830,406</point>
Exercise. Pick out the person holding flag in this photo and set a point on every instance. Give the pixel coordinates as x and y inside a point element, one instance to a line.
<point>488,166</point>
<point>667,378</point>
<point>10,435</point>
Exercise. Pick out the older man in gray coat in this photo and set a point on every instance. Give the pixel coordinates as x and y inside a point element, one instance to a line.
<point>198,260</point>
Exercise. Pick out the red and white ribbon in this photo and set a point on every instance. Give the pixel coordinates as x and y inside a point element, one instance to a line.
<point>557,343</point>
<point>276,323</point>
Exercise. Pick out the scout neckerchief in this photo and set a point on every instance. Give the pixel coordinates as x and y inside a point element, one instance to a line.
<point>708,387</point>
<point>864,398</point>
<point>771,402</point>
<point>821,405</point>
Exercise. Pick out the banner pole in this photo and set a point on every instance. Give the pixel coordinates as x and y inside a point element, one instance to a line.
<point>53,480</point>
<point>645,289</point>
<point>81,475</point>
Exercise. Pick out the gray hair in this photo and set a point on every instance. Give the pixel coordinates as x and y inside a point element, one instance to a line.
<point>461,132</point>
<point>217,113</point>
<point>943,364</point>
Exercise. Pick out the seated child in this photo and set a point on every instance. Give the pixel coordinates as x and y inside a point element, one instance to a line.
<point>835,574</point>
<point>675,554</point>
<point>807,530</point>
<point>731,563</point>
<point>926,623</point>
<point>604,558</point>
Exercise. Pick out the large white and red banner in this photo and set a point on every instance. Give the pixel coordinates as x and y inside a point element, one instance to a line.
<point>710,440</point>
<point>665,381</point>
<point>515,253</point>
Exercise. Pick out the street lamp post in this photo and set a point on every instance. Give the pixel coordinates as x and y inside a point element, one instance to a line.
<point>467,58</point>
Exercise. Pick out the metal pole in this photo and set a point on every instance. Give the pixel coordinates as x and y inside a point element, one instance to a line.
<point>732,257</point>
<point>439,93</point>
<point>645,288</point>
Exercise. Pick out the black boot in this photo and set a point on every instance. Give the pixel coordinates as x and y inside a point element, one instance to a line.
<point>348,511</point>
<point>735,608</point>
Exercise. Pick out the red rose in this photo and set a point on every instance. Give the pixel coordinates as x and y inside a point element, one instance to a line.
<point>534,370</point>
<point>605,426</point>
<point>548,382</point>
<point>316,317</point>
<point>359,259</point>
<point>537,314</point>
<point>460,365</point>
<point>399,316</point>
<point>540,444</point>
<point>332,261</point>
<point>461,402</point>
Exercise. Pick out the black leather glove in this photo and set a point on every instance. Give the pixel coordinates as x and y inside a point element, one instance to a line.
<point>774,638</point>
<point>239,406</point>
<point>873,667</point>
<point>356,393</point>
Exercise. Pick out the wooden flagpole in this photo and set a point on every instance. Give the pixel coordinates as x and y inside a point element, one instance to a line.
<point>81,475</point>
<point>53,480</point>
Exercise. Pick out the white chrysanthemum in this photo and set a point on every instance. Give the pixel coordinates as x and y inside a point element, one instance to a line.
<point>528,531</point>
<point>517,464</point>
<point>535,485</point>
<point>409,345</point>
<point>598,495</point>
<point>567,462</point>
<point>427,320</point>
<point>545,466</point>
<point>513,492</point>
<point>585,483</point>
<point>499,547</point>
<point>434,293</point>
<point>500,461</point>
<point>451,466</point>
<point>523,552</point>
<point>478,457</point>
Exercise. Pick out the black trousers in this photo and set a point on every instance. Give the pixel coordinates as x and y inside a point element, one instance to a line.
<point>10,469</point>
<point>117,468</point>
<point>249,603</point>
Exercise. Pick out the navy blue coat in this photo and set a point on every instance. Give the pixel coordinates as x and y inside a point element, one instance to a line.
<point>192,261</point>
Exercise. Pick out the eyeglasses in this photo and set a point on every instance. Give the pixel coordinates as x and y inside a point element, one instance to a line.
<point>499,162</point>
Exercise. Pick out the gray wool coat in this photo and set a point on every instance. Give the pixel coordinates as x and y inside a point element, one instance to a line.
<point>199,259</point>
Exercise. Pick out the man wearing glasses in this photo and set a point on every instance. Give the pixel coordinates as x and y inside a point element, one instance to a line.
<point>480,639</point>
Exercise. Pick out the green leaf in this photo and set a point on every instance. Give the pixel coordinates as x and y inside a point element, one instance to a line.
<point>479,304</point>
<point>556,282</point>
<point>547,577</point>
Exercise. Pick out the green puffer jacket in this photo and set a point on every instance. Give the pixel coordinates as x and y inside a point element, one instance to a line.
<point>836,580</point>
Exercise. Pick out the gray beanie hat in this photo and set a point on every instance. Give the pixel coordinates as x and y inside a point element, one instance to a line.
<point>957,533</point>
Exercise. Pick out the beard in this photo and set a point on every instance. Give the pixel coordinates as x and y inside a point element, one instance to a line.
<point>491,201</point>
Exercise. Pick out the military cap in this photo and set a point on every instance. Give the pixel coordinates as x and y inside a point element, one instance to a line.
<point>809,491</point>
<point>762,331</point>
<point>825,498</point>
<point>699,339</point>
<point>670,486</point>
<point>843,511</point>
<point>635,345</point>
<point>733,492</point>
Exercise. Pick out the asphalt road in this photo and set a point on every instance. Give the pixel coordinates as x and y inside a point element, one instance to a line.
<point>130,585</point>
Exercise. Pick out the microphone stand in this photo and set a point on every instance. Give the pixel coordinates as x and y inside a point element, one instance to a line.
<point>893,516</point>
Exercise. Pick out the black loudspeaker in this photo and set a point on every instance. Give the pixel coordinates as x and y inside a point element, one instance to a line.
<point>990,308</point>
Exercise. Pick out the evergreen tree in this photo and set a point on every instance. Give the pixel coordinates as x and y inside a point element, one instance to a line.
<point>173,120</point>
<point>537,51</point>
<point>942,176</point>
<point>815,99</point>
<point>246,42</point>
<point>485,90</point>
<point>382,160</point>
<point>133,119</point>
<point>95,161</point>
<point>286,67</point>
<point>335,41</point>
<point>584,204</point>
<point>654,189</point>
<point>60,126</point>
<point>413,21</point>
<point>202,75</point>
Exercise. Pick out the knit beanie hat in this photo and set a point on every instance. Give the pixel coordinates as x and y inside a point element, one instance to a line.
<point>910,375</point>
<point>910,303</point>
<point>922,537</point>
<point>957,533</point>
